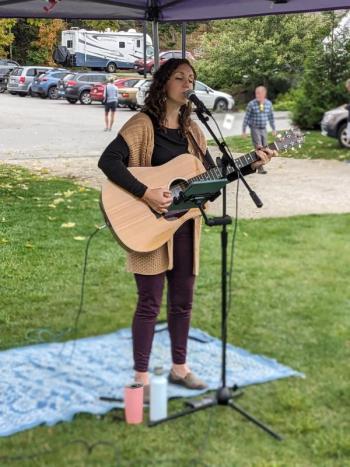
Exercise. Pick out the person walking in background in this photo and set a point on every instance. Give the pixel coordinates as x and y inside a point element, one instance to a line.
<point>258,112</point>
<point>110,101</point>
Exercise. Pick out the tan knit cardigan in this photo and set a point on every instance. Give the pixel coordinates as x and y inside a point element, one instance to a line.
<point>138,134</point>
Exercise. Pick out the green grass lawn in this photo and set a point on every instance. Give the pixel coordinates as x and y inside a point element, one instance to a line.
<point>315,146</point>
<point>291,302</point>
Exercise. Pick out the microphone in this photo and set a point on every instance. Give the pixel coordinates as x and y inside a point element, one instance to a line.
<point>191,96</point>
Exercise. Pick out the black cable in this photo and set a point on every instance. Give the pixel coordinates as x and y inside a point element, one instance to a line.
<point>82,289</point>
<point>37,335</point>
<point>234,235</point>
<point>235,227</point>
<point>80,310</point>
<point>232,255</point>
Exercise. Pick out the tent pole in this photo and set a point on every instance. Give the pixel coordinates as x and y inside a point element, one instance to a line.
<point>183,39</point>
<point>155,33</point>
<point>144,48</point>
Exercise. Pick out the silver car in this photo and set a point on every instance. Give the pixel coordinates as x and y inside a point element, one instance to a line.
<point>21,78</point>
<point>334,124</point>
<point>217,100</point>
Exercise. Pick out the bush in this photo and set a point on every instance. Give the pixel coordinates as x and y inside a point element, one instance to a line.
<point>286,101</point>
<point>323,83</point>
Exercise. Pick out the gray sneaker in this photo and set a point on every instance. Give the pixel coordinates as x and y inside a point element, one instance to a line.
<point>190,381</point>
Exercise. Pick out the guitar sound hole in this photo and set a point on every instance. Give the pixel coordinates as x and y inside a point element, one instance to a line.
<point>176,187</point>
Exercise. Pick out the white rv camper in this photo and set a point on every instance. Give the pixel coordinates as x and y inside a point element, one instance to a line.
<point>109,49</point>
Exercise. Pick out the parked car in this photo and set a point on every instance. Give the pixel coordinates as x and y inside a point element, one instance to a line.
<point>98,90</point>
<point>126,82</point>
<point>45,85</point>
<point>21,79</point>
<point>6,66</point>
<point>3,82</point>
<point>77,86</point>
<point>334,124</point>
<point>216,100</point>
<point>163,57</point>
<point>142,91</point>
<point>127,96</point>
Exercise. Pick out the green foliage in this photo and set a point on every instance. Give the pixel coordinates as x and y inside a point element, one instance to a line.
<point>6,36</point>
<point>290,302</point>
<point>286,101</point>
<point>25,34</point>
<point>323,83</point>
<point>36,56</point>
<point>267,50</point>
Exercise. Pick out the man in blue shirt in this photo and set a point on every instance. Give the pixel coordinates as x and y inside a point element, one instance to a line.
<point>259,111</point>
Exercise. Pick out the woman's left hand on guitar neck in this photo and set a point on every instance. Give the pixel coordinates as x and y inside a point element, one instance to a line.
<point>265,155</point>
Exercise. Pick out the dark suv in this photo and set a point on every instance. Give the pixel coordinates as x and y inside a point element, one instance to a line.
<point>77,86</point>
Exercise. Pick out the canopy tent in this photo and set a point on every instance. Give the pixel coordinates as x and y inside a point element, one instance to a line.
<point>161,10</point>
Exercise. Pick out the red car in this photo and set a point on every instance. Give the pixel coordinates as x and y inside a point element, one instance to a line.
<point>163,57</point>
<point>98,90</point>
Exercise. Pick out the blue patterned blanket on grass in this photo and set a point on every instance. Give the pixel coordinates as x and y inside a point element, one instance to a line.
<point>50,383</point>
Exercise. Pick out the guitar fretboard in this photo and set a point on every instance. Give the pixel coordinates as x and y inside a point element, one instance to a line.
<point>216,172</point>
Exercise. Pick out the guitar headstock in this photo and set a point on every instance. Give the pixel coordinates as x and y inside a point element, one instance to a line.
<point>289,139</point>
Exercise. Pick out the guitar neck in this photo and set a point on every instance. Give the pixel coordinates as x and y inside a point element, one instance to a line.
<point>241,162</point>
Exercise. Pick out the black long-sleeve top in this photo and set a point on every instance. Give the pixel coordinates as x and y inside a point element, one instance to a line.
<point>168,144</point>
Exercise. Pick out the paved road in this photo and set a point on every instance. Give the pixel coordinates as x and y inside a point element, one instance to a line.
<point>34,127</point>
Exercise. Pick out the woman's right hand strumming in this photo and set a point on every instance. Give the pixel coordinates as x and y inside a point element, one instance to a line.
<point>159,199</point>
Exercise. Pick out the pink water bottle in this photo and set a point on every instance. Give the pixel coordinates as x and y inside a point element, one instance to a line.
<point>133,401</point>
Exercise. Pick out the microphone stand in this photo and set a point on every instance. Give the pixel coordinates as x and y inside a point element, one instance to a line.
<point>224,395</point>
<point>226,159</point>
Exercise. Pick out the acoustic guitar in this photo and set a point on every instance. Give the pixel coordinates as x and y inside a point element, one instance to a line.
<point>139,228</point>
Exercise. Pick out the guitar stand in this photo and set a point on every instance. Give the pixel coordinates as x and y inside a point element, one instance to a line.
<point>196,195</point>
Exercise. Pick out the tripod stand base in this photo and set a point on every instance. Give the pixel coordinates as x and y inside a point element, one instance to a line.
<point>224,396</point>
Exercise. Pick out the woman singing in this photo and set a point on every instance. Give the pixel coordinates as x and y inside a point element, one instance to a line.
<point>161,131</point>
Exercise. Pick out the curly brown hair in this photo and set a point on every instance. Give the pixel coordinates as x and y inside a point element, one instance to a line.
<point>156,97</point>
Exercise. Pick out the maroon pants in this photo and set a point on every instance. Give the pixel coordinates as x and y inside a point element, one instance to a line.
<point>180,294</point>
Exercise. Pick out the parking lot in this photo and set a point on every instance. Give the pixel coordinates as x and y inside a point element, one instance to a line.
<point>33,127</point>
<point>67,140</point>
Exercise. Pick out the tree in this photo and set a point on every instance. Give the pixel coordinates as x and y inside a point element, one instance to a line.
<point>25,34</point>
<point>48,37</point>
<point>323,83</point>
<point>6,36</point>
<point>267,50</point>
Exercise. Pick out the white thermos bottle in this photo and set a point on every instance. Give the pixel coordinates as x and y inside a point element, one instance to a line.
<point>158,395</point>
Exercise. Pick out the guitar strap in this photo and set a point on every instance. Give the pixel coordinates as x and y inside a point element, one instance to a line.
<point>206,157</point>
